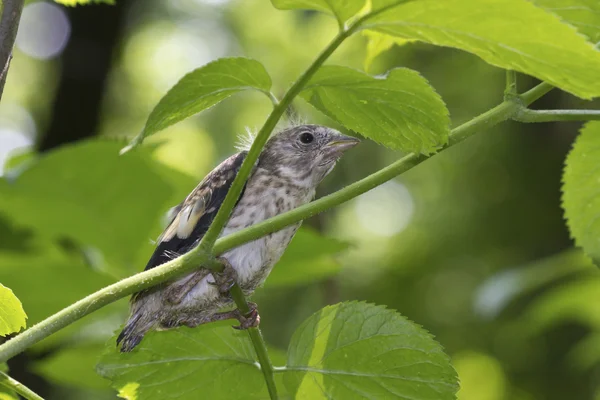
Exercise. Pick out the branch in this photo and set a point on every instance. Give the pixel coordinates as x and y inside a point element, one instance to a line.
<point>9,24</point>
<point>527,115</point>
<point>18,387</point>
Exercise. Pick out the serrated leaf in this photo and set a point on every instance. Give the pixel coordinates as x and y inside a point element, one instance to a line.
<point>299,266</point>
<point>356,350</point>
<point>211,361</point>
<point>583,14</point>
<point>581,191</point>
<point>511,34</point>
<point>12,315</point>
<point>202,89</point>
<point>341,9</point>
<point>401,111</point>
<point>72,3</point>
<point>89,194</point>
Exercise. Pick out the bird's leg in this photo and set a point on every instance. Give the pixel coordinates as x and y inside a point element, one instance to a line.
<point>250,320</point>
<point>225,279</point>
<point>175,292</point>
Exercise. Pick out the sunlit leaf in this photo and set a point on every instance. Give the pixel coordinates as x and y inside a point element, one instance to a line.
<point>84,2</point>
<point>211,361</point>
<point>512,34</point>
<point>581,191</point>
<point>202,89</point>
<point>401,111</point>
<point>358,350</point>
<point>378,43</point>
<point>308,258</point>
<point>583,14</point>
<point>12,315</point>
<point>341,9</point>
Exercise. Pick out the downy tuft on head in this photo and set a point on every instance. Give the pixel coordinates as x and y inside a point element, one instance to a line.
<point>304,154</point>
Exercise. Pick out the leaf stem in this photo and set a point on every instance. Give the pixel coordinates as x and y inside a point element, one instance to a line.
<point>18,387</point>
<point>527,115</point>
<point>9,24</point>
<point>511,84</point>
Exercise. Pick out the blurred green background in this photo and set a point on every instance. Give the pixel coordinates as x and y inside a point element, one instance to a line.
<point>471,244</point>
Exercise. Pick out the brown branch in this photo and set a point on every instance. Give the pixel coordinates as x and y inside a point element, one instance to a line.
<point>9,24</point>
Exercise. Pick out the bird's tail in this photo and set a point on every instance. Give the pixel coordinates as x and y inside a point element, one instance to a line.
<point>133,333</point>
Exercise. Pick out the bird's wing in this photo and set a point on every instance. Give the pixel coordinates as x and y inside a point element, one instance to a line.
<point>195,214</point>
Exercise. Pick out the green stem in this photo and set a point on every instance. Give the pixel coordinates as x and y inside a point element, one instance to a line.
<point>18,387</point>
<point>527,115</point>
<point>535,93</point>
<point>255,335</point>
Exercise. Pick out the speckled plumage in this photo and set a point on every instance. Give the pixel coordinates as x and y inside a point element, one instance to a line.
<point>285,177</point>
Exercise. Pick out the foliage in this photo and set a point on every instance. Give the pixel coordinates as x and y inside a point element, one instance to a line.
<point>357,350</point>
<point>580,199</point>
<point>12,316</point>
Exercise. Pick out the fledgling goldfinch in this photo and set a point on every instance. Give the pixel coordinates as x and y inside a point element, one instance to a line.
<point>290,167</point>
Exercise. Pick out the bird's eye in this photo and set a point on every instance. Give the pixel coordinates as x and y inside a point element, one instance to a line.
<point>306,137</point>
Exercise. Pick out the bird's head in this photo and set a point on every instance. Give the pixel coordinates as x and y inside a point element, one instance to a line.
<point>305,154</point>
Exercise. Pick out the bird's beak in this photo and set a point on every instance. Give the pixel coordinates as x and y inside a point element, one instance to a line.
<point>340,144</point>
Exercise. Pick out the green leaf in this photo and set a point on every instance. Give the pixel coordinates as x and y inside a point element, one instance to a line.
<point>511,34</point>
<point>356,350</point>
<point>72,3</point>
<point>341,9</point>
<point>378,43</point>
<point>299,266</point>
<point>211,362</point>
<point>583,14</point>
<point>12,316</point>
<point>202,89</point>
<point>89,194</point>
<point>581,197</point>
<point>401,111</point>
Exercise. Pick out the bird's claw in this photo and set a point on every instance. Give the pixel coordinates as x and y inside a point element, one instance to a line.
<point>249,320</point>
<point>225,279</point>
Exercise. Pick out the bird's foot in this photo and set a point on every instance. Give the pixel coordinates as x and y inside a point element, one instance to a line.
<point>249,320</point>
<point>225,279</point>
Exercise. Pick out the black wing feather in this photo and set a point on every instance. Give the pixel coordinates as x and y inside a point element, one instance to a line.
<point>213,190</point>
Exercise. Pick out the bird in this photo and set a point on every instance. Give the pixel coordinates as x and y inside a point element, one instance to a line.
<point>288,170</point>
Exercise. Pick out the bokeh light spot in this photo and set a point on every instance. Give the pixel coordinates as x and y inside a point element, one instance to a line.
<point>44,30</point>
<point>385,210</point>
